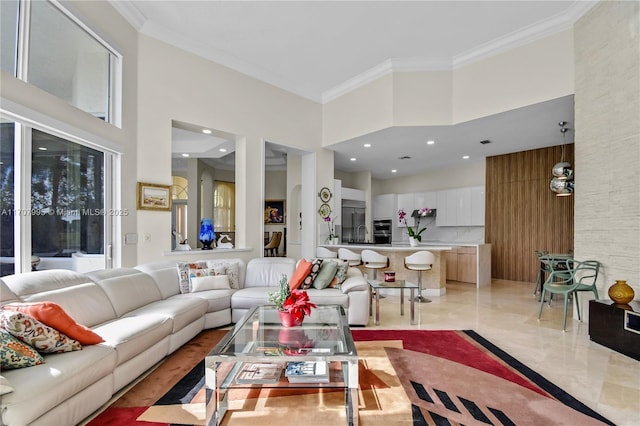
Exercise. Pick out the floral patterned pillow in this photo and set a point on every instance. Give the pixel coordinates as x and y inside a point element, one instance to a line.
<point>16,354</point>
<point>36,334</point>
<point>341,274</point>
<point>229,269</point>
<point>184,269</point>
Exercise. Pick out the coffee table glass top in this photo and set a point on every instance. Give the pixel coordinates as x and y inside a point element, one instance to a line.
<point>261,336</point>
<point>393,284</point>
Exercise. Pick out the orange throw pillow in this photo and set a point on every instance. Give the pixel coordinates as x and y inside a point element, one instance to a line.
<point>303,269</point>
<point>54,316</point>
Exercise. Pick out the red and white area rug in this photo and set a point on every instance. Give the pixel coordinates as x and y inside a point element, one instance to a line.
<point>412,377</point>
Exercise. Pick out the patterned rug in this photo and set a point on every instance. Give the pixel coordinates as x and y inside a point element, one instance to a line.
<point>406,377</point>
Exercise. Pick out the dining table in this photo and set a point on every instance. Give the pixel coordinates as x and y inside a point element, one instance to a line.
<point>550,262</point>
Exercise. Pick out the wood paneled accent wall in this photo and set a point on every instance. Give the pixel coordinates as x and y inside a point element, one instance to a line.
<point>522,214</point>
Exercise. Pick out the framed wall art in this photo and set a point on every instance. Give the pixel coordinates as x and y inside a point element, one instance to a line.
<point>274,212</point>
<point>153,197</point>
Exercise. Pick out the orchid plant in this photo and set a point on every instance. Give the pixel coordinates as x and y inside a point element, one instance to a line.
<point>414,233</point>
<point>332,227</point>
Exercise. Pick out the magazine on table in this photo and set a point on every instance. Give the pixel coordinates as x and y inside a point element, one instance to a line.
<point>307,372</point>
<point>257,372</point>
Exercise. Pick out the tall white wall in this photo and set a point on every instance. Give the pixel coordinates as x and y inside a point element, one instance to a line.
<point>176,85</point>
<point>607,147</point>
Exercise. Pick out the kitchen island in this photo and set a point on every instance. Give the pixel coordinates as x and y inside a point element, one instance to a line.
<point>434,282</point>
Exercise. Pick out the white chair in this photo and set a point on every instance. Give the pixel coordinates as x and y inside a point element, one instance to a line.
<point>374,260</point>
<point>351,257</point>
<point>325,253</point>
<point>420,261</point>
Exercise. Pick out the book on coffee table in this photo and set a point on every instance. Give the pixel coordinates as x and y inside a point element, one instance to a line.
<point>307,372</point>
<point>253,372</point>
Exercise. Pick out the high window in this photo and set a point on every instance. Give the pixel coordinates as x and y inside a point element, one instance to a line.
<point>45,45</point>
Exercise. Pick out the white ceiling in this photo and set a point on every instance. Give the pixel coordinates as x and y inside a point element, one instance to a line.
<point>322,49</point>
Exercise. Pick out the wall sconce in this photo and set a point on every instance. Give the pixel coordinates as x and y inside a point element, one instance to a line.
<point>562,183</point>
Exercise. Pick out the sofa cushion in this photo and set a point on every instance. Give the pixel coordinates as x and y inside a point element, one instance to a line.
<point>6,295</point>
<point>17,354</point>
<point>302,271</point>
<point>217,300</point>
<point>326,274</point>
<point>165,274</point>
<point>130,336</point>
<point>42,388</point>
<point>230,268</point>
<point>54,316</point>
<point>5,386</point>
<point>36,334</point>
<point>316,264</point>
<point>182,311</point>
<point>81,298</point>
<point>127,288</point>
<point>267,271</point>
<point>249,297</point>
<point>341,273</point>
<point>212,282</point>
<point>184,271</point>
<point>328,296</point>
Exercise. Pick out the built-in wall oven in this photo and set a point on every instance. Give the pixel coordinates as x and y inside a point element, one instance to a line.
<point>382,231</point>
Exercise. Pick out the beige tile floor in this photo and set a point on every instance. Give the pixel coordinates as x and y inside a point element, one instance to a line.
<point>506,314</point>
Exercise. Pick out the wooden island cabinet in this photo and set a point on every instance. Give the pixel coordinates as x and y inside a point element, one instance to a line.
<point>462,264</point>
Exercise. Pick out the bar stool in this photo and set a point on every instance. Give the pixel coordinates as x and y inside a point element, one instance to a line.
<point>374,260</point>
<point>420,261</point>
<point>325,253</point>
<point>352,258</point>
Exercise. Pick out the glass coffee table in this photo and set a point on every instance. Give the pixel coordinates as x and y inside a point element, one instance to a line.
<point>401,284</point>
<point>257,351</point>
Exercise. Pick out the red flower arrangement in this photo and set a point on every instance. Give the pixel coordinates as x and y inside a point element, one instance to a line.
<point>298,303</point>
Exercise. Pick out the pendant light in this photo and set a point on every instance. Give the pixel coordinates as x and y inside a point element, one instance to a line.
<point>562,183</point>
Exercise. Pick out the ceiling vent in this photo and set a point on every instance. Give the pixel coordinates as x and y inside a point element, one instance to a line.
<point>404,157</point>
<point>486,141</point>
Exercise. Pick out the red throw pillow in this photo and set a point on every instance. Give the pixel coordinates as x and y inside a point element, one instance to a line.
<point>303,269</point>
<point>54,316</point>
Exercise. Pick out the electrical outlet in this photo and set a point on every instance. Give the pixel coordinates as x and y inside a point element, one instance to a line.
<point>131,239</point>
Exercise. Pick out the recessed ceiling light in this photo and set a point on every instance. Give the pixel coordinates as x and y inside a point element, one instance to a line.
<point>42,148</point>
<point>206,131</point>
<point>367,145</point>
<point>394,171</point>
<point>223,149</point>
<point>352,159</point>
<point>185,155</point>
<point>465,157</point>
<point>430,142</point>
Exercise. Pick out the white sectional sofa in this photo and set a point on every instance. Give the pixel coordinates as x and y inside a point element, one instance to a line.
<point>142,317</point>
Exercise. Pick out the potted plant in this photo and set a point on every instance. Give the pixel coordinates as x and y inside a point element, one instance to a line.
<point>292,305</point>
<point>414,234</point>
<point>333,237</point>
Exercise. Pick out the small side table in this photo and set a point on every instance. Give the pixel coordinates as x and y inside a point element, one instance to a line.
<point>401,284</point>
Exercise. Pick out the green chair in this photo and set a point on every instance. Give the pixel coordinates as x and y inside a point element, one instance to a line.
<point>568,280</point>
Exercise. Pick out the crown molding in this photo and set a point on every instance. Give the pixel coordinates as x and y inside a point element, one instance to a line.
<point>130,12</point>
<point>386,67</point>
<point>529,34</point>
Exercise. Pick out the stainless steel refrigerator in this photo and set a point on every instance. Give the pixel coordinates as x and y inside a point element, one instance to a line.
<point>353,225</point>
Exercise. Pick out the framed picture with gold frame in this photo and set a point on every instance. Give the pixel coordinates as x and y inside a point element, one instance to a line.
<point>274,212</point>
<point>153,197</point>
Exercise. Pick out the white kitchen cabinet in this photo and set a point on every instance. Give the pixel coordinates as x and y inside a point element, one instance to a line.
<point>477,206</point>
<point>461,207</point>
<point>353,194</point>
<point>404,202</point>
<point>425,199</point>
<point>384,206</point>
